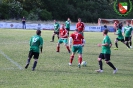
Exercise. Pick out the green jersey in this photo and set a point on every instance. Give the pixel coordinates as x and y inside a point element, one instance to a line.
<point>67,24</point>
<point>119,33</point>
<point>36,42</point>
<point>106,49</point>
<point>56,27</point>
<point>128,31</point>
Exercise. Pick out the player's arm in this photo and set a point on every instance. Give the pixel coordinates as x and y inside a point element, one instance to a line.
<point>83,42</point>
<point>70,42</point>
<point>41,44</point>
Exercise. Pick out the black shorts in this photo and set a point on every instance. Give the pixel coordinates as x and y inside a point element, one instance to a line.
<point>31,53</point>
<point>127,38</point>
<point>122,40</point>
<point>56,33</point>
<point>130,38</point>
<point>68,29</point>
<point>104,56</point>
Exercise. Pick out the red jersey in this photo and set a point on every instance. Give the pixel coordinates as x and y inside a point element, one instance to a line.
<point>80,26</point>
<point>63,33</point>
<point>77,38</point>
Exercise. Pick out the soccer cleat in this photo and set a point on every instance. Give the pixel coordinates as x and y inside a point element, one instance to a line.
<point>69,51</point>
<point>115,48</point>
<point>52,41</point>
<point>131,47</point>
<point>99,71</point>
<point>79,66</point>
<point>128,48</point>
<point>115,71</point>
<point>33,69</point>
<point>69,64</point>
<point>26,66</point>
<point>57,51</point>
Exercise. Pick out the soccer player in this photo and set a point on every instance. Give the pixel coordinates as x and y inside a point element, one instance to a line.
<point>128,34</point>
<point>67,25</point>
<point>80,26</point>
<point>120,37</point>
<point>115,26</point>
<point>106,52</point>
<point>63,38</point>
<point>36,45</point>
<point>77,45</point>
<point>56,30</point>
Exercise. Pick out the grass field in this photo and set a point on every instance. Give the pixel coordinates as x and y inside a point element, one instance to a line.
<point>52,70</point>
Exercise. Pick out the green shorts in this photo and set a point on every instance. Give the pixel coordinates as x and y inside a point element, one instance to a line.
<point>65,41</point>
<point>77,49</point>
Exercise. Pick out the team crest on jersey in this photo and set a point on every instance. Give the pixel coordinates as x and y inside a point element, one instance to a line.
<point>123,8</point>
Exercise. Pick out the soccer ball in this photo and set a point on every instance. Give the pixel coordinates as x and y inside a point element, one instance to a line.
<point>84,63</point>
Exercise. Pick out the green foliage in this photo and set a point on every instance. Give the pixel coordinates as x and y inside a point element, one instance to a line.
<point>4,10</point>
<point>45,15</point>
<point>88,10</point>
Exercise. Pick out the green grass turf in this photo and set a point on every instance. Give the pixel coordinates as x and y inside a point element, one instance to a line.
<point>52,70</point>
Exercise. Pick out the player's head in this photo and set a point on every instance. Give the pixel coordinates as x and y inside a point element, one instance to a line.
<point>105,32</point>
<point>68,19</point>
<point>105,26</point>
<point>38,32</point>
<point>76,30</point>
<point>128,23</point>
<point>120,25</point>
<point>79,19</point>
<point>63,26</point>
<point>54,21</point>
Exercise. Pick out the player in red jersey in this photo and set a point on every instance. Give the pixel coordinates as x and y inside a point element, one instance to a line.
<point>80,26</point>
<point>63,38</point>
<point>77,45</point>
<point>115,26</point>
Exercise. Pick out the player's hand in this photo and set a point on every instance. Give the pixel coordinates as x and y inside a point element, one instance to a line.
<point>114,33</point>
<point>110,45</point>
<point>82,45</point>
<point>69,46</point>
<point>99,45</point>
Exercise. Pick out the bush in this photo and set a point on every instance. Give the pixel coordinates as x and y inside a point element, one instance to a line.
<point>45,15</point>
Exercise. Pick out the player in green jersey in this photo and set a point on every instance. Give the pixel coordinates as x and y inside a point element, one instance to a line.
<point>36,45</point>
<point>106,52</point>
<point>120,37</point>
<point>67,25</point>
<point>128,34</point>
<point>56,30</point>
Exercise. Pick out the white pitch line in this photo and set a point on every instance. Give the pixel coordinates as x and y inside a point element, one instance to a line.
<point>8,58</point>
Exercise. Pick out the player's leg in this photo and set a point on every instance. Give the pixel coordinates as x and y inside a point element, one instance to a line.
<point>57,34</point>
<point>36,56</point>
<point>66,44</point>
<point>80,55</point>
<point>127,42</point>
<point>29,58</point>
<point>58,45</point>
<point>107,60</point>
<point>116,44</point>
<point>53,37</point>
<point>72,55</point>
<point>101,56</point>
<point>130,42</point>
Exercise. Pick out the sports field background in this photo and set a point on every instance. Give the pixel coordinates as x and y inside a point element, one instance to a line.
<point>52,70</point>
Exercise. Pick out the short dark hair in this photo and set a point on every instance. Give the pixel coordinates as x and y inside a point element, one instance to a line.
<point>38,32</point>
<point>120,25</point>
<point>105,26</point>
<point>105,31</point>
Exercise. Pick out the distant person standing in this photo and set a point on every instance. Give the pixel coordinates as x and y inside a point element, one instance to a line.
<point>67,25</point>
<point>36,45</point>
<point>115,26</point>
<point>56,30</point>
<point>80,26</point>
<point>24,23</point>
